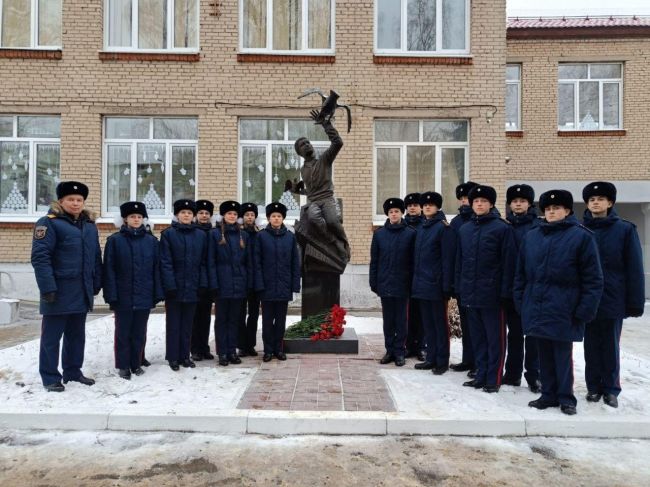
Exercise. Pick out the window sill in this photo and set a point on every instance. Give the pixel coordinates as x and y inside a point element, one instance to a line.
<point>150,56</point>
<point>516,134</point>
<point>436,60</point>
<point>55,54</point>
<point>285,58</point>
<point>591,133</point>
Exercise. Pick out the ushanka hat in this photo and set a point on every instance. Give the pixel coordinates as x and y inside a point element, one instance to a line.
<point>206,205</point>
<point>599,188</point>
<point>520,191</point>
<point>249,207</point>
<point>276,208</point>
<point>560,197</point>
<point>229,205</point>
<point>133,208</point>
<point>463,189</point>
<point>66,188</point>
<point>431,197</point>
<point>412,199</point>
<point>393,203</point>
<point>184,204</point>
<point>481,191</point>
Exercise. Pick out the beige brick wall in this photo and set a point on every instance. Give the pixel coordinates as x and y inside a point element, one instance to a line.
<point>82,88</point>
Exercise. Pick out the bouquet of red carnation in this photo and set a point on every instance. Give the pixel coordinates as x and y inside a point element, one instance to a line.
<point>322,326</point>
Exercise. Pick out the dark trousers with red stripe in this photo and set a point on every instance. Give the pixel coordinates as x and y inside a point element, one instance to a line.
<point>602,356</point>
<point>179,319</point>
<point>468,351</point>
<point>394,314</point>
<point>226,322</point>
<point>556,371</point>
<point>274,319</point>
<point>522,352</point>
<point>250,313</point>
<point>130,335</point>
<point>415,341</point>
<point>73,330</point>
<point>201,327</point>
<point>436,330</point>
<point>487,327</point>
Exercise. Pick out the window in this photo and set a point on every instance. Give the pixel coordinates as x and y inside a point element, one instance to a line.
<point>417,156</point>
<point>152,160</point>
<point>31,24</point>
<point>287,26</point>
<point>513,97</point>
<point>267,159</point>
<point>422,27</point>
<point>30,148</point>
<point>152,25</point>
<point>590,96</point>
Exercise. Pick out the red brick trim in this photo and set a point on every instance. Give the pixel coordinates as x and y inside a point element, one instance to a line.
<point>150,56</point>
<point>515,134</point>
<point>591,133</point>
<point>31,53</point>
<point>17,225</point>
<point>577,32</point>
<point>290,58</point>
<point>445,61</point>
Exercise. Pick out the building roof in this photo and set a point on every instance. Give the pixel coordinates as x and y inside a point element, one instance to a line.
<point>578,27</point>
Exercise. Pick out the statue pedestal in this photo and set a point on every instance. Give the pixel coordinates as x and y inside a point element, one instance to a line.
<point>346,343</point>
<point>320,291</point>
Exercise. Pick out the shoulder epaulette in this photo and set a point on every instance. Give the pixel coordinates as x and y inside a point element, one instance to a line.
<point>505,220</point>
<point>585,228</point>
<point>445,222</point>
<point>50,215</point>
<point>628,221</point>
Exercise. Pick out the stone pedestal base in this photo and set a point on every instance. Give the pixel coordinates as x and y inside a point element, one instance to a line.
<point>346,343</point>
<point>320,291</point>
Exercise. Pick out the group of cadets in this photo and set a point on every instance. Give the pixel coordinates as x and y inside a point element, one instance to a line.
<point>200,260</point>
<point>527,287</point>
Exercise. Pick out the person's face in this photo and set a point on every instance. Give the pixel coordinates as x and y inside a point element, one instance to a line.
<point>185,217</point>
<point>519,206</point>
<point>481,206</point>
<point>73,204</point>
<point>555,213</point>
<point>134,220</point>
<point>203,216</point>
<point>230,217</point>
<point>598,205</point>
<point>394,215</point>
<point>276,219</point>
<point>463,201</point>
<point>414,209</point>
<point>249,218</point>
<point>305,149</point>
<point>429,209</point>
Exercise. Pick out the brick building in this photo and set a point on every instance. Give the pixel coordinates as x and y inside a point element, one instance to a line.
<point>155,100</point>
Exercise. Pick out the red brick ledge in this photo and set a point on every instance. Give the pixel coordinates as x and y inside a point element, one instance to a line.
<point>444,61</point>
<point>591,133</point>
<point>289,58</point>
<point>17,225</point>
<point>31,53</point>
<point>516,134</point>
<point>151,56</point>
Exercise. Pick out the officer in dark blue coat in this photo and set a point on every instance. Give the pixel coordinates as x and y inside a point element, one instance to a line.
<point>67,264</point>
<point>433,275</point>
<point>557,289</point>
<point>623,294</point>
<point>521,212</point>
<point>415,343</point>
<point>230,277</point>
<point>277,277</point>
<point>132,285</point>
<point>485,263</point>
<point>250,310</point>
<point>183,250</point>
<point>200,343</point>
<point>391,276</point>
<point>465,213</point>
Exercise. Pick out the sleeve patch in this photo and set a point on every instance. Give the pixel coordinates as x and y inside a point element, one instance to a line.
<point>39,232</point>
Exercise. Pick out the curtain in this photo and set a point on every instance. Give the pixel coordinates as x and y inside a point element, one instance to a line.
<point>421,30</point>
<point>16,23</point>
<point>186,23</point>
<point>453,24</point>
<point>119,23</point>
<point>152,24</point>
<point>320,16</point>
<point>49,22</point>
<point>287,25</point>
<point>254,24</point>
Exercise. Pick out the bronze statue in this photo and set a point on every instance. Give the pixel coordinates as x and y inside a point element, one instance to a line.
<point>328,107</point>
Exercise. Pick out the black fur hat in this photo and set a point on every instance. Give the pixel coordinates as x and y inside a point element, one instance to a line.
<point>133,207</point>
<point>249,207</point>
<point>229,205</point>
<point>599,188</point>
<point>184,204</point>
<point>560,197</point>
<point>431,197</point>
<point>66,188</point>
<point>394,203</point>
<point>206,205</point>
<point>412,199</point>
<point>463,189</point>
<point>482,191</point>
<point>520,191</point>
<point>276,208</point>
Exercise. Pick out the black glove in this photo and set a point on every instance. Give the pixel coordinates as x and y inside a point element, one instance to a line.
<point>49,297</point>
<point>170,295</point>
<point>634,312</point>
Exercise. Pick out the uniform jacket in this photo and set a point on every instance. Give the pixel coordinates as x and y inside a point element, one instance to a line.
<point>277,264</point>
<point>132,270</point>
<point>230,265</point>
<point>522,224</point>
<point>414,221</point>
<point>183,252</point>
<point>485,261</point>
<point>622,265</point>
<point>465,214</point>
<point>433,263</point>
<point>391,260</point>
<point>559,280</point>
<point>67,260</point>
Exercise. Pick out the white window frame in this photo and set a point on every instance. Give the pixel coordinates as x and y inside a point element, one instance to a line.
<point>305,33</point>
<point>439,52</point>
<point>576,102</point>
<point>378,214</point>
<point>133,143</point>
<point>135,34</point>
<point>33,30</point>
<point>519,102</point>
<point>32,213</point>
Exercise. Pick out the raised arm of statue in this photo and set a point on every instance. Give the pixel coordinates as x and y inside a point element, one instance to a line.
<point>336,143</point>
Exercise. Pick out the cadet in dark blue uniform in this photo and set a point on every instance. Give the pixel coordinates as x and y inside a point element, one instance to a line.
<point>183,249</point>
<point>485,263</point>
<point>623,295</point>
<point>67,264</point>
<point>433,269</point>
<point>250,310</point>
<point>557,289</point>
<point>200,343</point>
<point>523,216</point>
<point>391,275</point>
<point>465,213</point>
<point>230,277</point>
<point>277,277</point>
<point>132,285</point>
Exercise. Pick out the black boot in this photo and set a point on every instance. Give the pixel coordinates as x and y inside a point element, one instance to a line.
<point>461,367</point>
<point>543,404</point>
<point>173,364</point>
<point>535,387</point>
<point>188,364</point>
<point>594,396</point>
<point>508,381</point>
<point>440,370</point>
<point>280,356</point>
<point>223,360</point>
<point>87,381</point>
<point>124,373</point>
<point>471,374</point>
<point>56,387</point>
<point>267,357</point>
<point>145,362</point>
<point>234,359</point>
<point>386,359</point>
<point>243,353</point>
<point>208,356</point>
<point>568,409</point>
<point>197,357</point>
<point>491,389</point>
<point>474,383</point>
<point>400,361</point>
<point>611,400</point>
<point>422,356</point>
<point>424,366</point>
<point>138,371</point>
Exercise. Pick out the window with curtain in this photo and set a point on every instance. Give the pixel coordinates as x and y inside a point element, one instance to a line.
<point>152,25</point>
<point>30,154</point>
<point>418,156</point>
<point>422,27</point>
<point>30,24</point>
<point>513,97</point>
<point>149,159</point>
<point>286,25</point>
